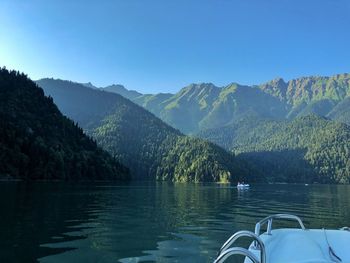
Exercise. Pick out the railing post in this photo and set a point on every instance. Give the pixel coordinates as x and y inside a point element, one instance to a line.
<point>239,234</point>
<point>269,226</point>
<point>257,232</point>
<point>236,251</point>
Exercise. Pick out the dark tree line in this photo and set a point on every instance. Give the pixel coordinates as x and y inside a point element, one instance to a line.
<point>38,142</point>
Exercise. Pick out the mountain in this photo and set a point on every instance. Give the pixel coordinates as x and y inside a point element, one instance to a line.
<point>261,124</point>
<point>121,90</point>
<point>308,89</point>
<point>38,143</point>
<point>151,148</point>
<point>306,95</point>
<point>341,112</point>
<point>204,106</point>
<point>152,103</point>
<point>306,149</point>
<point>89,85</point>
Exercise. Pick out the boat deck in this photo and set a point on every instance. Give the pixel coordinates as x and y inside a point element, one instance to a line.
<point>290,245</point>
<point>304,246</point>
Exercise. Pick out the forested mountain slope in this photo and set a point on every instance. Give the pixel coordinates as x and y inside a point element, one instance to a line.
<point>38,143</point>
<point>151,148</point>
<point>258,123</point>
<point>307,149</point>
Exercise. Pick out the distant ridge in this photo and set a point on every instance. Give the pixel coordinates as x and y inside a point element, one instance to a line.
<point>89,85</point>
<point>120,89</point>
<point>204,106</point>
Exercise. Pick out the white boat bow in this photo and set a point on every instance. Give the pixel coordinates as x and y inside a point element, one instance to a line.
<point>290,245</point>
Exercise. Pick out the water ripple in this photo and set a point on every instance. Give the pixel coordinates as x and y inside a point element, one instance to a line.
<point>150,222</point>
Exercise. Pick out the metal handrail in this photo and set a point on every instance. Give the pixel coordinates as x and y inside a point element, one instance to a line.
<point>269,220</point>
<point>236,251</point>
<point>345,228</point>
<point>257,241</point>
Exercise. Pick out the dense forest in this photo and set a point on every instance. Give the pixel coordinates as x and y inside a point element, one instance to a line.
<point>307,149</point>
<point>151,148</point>
<point>38,143</point>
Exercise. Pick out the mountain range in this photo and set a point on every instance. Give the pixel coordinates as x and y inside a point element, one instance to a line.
<point>294,131</point>
<point>149,147</point>
<point>204,106</point>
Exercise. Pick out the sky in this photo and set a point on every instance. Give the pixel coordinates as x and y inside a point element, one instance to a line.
<point>163,45</point>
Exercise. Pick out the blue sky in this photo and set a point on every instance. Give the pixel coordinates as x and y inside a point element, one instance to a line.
<point>161,46</point>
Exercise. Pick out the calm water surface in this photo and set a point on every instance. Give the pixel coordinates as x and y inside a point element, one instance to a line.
<point>148,222</point>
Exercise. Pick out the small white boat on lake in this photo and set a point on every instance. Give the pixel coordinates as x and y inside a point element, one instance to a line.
<point>242,186</point>
<point>290,245</point>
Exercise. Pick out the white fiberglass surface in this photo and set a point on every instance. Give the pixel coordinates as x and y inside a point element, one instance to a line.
<point>305,246</point>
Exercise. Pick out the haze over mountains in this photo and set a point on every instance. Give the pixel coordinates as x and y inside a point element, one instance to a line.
<point>279,131</point>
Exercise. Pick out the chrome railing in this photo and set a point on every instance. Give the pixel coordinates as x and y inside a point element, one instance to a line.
<point>270,219</point>
<point>236,251</point>
<point>225,251</point>
<point>346,228</point>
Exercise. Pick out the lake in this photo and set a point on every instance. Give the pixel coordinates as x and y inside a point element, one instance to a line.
<point>148,222</point>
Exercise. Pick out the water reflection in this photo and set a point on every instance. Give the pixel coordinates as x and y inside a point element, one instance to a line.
<point>33,214</point>
<point>160,222</point>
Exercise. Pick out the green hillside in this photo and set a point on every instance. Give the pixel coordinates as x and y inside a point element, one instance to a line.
<point>308,89</point>
<point>307,149</point>
<point>38,143</point>
<point>151,148</point>
<point>202,106</point>
<point>312,95</point>
<point>153,103</point>
<point>341,112</point>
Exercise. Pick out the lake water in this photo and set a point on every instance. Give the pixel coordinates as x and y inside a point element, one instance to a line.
<point>147,222</point>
